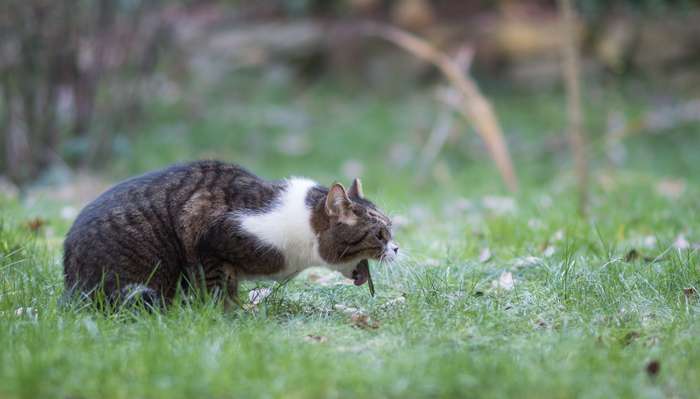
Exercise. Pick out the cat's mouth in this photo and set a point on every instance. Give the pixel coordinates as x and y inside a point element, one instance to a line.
<point>361,273</point>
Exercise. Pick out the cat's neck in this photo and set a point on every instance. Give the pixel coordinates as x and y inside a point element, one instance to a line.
<point>287,226</point>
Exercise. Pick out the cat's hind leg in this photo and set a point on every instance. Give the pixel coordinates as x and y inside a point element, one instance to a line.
<point>229,286</point>
<point>220,279</point>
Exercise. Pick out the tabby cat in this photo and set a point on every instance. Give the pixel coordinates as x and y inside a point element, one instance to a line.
<point>215,224</point>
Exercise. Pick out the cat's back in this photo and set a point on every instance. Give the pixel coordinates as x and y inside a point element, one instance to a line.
<point>167,190</point>
<point>154,191</point>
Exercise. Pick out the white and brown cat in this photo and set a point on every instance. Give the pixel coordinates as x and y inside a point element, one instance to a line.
<point>218,224</point>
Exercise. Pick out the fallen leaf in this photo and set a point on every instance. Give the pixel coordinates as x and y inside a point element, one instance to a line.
<point>505,281</point>
<point>363,321</point>
<point>485,255</point>
<point>631,255</point>
<point>258,295</point>
<point>34,225</point>
<point>315,338</point>
<point>690,292</point>
<point>653,367</point>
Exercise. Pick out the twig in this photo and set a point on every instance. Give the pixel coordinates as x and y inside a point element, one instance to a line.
<point>475,107</point>
<point>570,70</point>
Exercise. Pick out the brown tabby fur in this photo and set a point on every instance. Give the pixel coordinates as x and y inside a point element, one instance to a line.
<point>172,228</point>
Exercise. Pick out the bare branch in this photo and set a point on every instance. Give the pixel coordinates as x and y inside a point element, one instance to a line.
<point>475,107</point>
<point>571,72</point>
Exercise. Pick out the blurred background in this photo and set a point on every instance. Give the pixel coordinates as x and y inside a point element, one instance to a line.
<point>94,91</point>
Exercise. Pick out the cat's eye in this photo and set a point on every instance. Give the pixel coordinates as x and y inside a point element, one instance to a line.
<point>382,235</point>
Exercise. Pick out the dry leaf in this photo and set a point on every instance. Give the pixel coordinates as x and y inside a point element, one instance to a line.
<point>34,225</point>
<point>258,295</point>
<point>505,281</point>
<point>485,255</point>
<point>653,368</point>
<point>363,321</point>
<point>315,338</point>
<point>631,255</point>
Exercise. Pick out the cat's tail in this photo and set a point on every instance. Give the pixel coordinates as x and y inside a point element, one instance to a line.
<point>130,296</point>
<point>140,295</point>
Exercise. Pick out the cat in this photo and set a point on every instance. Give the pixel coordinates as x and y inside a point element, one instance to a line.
<point>214,224</point>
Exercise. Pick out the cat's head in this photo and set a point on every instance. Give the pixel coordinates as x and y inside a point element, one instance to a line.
<point>351,228</point>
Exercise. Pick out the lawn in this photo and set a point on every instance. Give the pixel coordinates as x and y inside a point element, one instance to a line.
<point>496,295</point>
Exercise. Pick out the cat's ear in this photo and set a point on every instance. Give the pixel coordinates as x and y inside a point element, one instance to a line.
<point>356,189</point>
<point>338,204</point>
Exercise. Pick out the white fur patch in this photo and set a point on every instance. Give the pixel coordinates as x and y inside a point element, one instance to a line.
<point>287,227</point>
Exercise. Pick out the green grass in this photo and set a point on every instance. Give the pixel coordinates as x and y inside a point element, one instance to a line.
<point>582,321</point>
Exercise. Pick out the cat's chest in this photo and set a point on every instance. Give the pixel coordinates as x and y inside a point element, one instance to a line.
<point>293,261</point>
<point>286,228</point>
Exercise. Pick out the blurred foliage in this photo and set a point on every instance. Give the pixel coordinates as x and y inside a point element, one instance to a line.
<point>598,8</point>
<point>77,77</point>
<point>57,58</point>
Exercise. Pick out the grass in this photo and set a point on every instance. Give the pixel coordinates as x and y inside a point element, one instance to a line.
<point>584,319</point>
